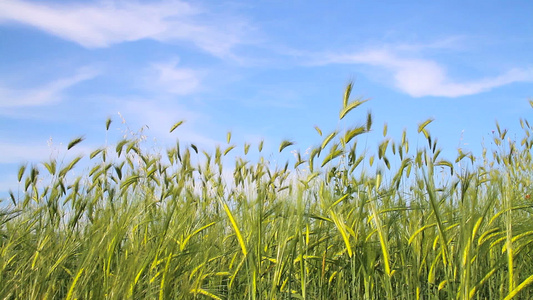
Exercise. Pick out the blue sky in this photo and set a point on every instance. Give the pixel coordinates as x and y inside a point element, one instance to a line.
<point>267,70</point>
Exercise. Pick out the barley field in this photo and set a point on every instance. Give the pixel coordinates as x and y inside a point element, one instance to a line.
<point>400,222</point>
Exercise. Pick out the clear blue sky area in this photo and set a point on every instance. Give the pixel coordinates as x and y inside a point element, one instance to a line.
<point>267,70</point>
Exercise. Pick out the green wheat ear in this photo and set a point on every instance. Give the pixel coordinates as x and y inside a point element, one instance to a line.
<point>176,125</point>
<point>368,121</point>
<point>284,144</point>
<point>74,142</point>
<point>423,125</point>
<point>346,109</point>
<point>193,146</point>
<point>228,137</point>
<point>347,93</point>
<point>21,172</point>
<point>318,130</point>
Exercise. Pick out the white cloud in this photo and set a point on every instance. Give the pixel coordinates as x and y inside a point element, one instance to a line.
<point>176,80</point>
<point>423,77</point>
<point>102,24</point>
<point>455,43</point>
<point>44,95</point>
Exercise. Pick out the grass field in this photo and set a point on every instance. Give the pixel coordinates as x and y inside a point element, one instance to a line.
<point>339,223</point>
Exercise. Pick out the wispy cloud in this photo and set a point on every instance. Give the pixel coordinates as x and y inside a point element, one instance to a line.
<point>423,77</point>
<point>453,43</point>
<point>168,77</point>
<point>104,23</point>
<point>47,94</point>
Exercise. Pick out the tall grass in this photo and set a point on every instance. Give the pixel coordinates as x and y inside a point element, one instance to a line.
<point>339,224</point>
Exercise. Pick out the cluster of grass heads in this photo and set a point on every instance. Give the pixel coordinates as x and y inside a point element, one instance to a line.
<point>338,224</point>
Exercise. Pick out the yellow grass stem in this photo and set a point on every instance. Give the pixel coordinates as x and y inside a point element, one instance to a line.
<point>235,227</point>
